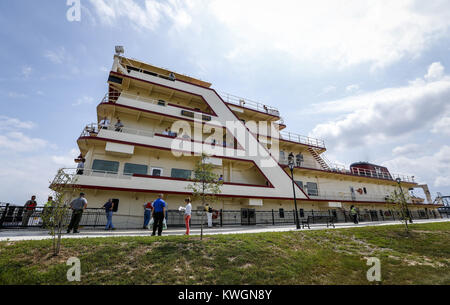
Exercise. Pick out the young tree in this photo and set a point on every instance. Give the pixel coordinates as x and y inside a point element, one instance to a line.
<point>206,185</point>
<point>55,216</point>
<point>400,200</point>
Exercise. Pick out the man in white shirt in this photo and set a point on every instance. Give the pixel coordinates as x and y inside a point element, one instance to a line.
<point>104,124</point>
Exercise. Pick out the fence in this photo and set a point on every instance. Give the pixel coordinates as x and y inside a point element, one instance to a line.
<point>18,217</point>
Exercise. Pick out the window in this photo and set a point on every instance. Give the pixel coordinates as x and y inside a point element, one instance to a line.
<point>105,166</point>
<point>312,189</point>
<point>300,184</point>
<point>156,171</point>
<point>131,169</point>
<point>181,173</point>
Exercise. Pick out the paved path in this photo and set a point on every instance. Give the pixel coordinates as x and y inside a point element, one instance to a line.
<point>17,235</point>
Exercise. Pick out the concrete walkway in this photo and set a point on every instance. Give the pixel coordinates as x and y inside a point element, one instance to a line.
<point>18,235</point>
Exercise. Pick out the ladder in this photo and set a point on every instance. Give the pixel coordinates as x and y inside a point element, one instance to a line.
<point>319,159</point>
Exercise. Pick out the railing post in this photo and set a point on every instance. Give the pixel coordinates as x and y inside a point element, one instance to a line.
<point>393,215</point>
<point>2,219</point>
<point>221,218</point>
<point>312,213</point>
<point>273,218</point>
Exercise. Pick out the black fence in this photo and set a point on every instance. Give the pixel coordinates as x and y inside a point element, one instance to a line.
<point>20,217</point>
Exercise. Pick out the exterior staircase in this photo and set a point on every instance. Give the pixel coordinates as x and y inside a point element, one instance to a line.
<point>319,159</point>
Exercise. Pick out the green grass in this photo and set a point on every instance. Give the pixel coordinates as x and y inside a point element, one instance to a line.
<point>306,257</point>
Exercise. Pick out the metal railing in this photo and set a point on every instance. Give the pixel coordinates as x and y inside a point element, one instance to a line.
<point>246,103</point>
<point>15,217</point>
<point>94,128</point>
<point>293,137</point>
<point>334,168</point>
<point>12,216</point>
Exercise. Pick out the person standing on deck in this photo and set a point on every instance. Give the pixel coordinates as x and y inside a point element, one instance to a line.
<point>159,209</point>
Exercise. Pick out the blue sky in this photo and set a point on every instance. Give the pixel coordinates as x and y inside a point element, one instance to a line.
<point>369,77</point>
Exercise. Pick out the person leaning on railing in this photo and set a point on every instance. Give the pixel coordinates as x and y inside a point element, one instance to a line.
<point>104,124</point>
<point>29,206</point>
<point>78,206</point>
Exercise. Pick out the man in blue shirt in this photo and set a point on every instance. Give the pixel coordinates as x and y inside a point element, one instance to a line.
<point>159,209</point>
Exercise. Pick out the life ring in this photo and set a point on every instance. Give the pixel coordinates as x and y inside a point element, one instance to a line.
<point>360,191</point>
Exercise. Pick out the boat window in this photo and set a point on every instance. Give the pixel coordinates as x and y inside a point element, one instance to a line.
<point>105,166</point>
<point>312,189</point>
<point>156,171</point>
<point>181,173</point>
<point>131,169</point>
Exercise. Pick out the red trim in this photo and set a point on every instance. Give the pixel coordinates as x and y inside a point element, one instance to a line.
<point>169,149</point>
<point>94,187</point>
<point>337,173</point>
<point>171,88</point>
<point>191,180</point>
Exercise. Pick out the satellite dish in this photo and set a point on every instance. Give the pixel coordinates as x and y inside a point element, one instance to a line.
<point>120,50</point>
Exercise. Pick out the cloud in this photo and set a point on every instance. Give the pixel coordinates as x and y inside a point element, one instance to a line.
<point>66,160</point>
<point>442,126</point>
<point>384,115</point>
<point>26,72</point>
<point>328,33</point>
<point>16,95</point>
<point>433,169</point>
<point>327,90</point>
<point>332,32</point>
<point>16,141</point>
<point>7,123</point>
<point>146,17</point>
<point>85,100</point>
<point>352,88</point>
<point>435,72</point>
<point>406,149</point>
<point>58,56</point>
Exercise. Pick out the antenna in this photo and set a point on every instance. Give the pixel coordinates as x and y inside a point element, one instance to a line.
<point>119,50</point>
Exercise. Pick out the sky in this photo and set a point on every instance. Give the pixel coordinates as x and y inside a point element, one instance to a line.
<point>371,78</point>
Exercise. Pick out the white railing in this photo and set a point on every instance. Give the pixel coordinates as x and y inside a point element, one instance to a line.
<point>94,129</point>
<point>355,172</point>
<point>246,103</point>
<point>113,97</point>
<point>342,196</point>
<point>293,137</point>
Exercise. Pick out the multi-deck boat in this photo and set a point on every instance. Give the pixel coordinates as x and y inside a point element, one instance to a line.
<point>168,120</point>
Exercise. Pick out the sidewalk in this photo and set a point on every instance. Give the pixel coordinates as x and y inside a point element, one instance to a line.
<point>18,235</point>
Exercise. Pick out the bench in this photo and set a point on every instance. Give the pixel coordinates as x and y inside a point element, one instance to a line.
<point>329,220</point>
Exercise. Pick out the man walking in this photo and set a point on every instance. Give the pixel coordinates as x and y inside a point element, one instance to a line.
<point>354,214</point>
<point>209,214</point>
<point>78,206</point>
<point>29,208</point>
<point>47,212</point>
<point>159,209</point>
<point>109,207</point>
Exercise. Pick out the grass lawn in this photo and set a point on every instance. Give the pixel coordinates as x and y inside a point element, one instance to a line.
<point>306,257</point>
